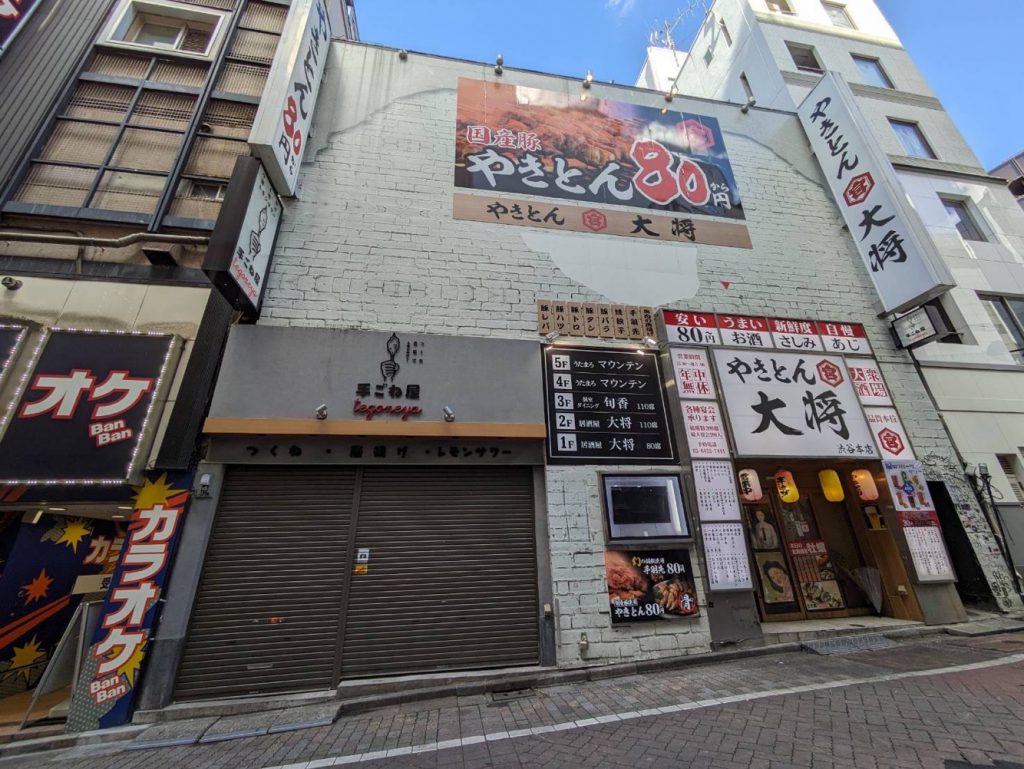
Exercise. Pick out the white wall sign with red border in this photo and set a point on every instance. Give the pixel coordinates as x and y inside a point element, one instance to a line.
<point>845,338</point>
<point>745,331</point>
<point>691,327</point>
<point>693,373</point>
<point>889,434</point>
<point>868,382</point>
<point>705,430</point>
<point>797,335</point>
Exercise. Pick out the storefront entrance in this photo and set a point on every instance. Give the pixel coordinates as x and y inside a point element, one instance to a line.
<point>314,574</point>
<point>820,559</point>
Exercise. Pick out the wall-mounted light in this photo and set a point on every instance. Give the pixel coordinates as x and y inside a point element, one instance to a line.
<point>750,486</point>
<point>864,483</point>
<point>11,284</point>
<point>551,336</point>
<point>750,103</point>
<point>449,414</point>
<point>320,412</point>
<point>499,65</point>
<point>786,486</point>
<point>588,79</point>
<point>831,486</point>
<point>403,54</point>
<point>651,342</point>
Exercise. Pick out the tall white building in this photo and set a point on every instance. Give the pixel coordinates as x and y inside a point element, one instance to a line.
<point>771,53</point>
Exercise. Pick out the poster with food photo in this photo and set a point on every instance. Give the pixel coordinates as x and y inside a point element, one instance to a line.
<point>650,585</point>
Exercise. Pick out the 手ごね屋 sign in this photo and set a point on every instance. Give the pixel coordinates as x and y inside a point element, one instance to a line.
<point>789,404</point>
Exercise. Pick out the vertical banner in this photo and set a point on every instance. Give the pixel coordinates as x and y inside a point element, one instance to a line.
<point>918,520</point>
<point>110,674</point>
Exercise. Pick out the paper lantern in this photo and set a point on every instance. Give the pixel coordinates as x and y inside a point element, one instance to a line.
<point>831,485</point>
<point>750,486</point>
<point>786,486</point>
<point>864,483</point>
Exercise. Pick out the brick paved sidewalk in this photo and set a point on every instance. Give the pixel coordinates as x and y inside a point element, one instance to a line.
<point>671,718</point>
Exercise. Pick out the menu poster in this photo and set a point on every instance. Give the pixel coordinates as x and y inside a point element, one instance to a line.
<point>816,575</point>
<point>705,431</point>
<point>648,585</point>
<point>716,491</point>
<point>908,485</point>
<point>605,405</point>
<point>725,554</point>
<point>927,548</point>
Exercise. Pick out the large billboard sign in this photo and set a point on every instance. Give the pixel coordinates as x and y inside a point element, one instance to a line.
<point>546,159</point>
<point>899,256</point>
<point>792,405</point>
<point>282,123</point>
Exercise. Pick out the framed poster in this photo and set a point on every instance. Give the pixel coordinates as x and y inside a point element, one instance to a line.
<point>716,491</point>
<point>650,585</point>
<point>725,554</point>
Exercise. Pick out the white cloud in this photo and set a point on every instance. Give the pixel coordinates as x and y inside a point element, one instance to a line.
<point>622,6</point>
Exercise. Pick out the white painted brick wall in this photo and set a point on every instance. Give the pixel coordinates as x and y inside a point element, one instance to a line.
<point>372,245</point>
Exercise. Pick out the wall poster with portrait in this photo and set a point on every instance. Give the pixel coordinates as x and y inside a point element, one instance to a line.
<point>777,592</point>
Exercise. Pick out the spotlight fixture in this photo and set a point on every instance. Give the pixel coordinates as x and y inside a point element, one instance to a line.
<point>321,411</point>
<point>651,342</point>
<point>11,284</point>
<point>403,54</point>
<point>750,103</point>
<point>449,414</point>
<point>551,336</point>
<point>499,65</point>
<point>588,79</point>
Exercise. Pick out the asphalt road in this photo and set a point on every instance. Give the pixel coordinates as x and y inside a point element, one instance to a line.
<point>947,702</point>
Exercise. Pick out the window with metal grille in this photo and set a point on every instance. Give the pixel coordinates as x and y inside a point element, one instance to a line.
<point>158,25</point>
<point>1008,463</point>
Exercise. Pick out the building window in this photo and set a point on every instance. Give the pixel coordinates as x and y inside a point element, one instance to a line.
<point>911,138</point>
<point>1007,314</point>
<point>961,216</point>
<point>872,72</point>
<point>152,24</point>
<point>725,33</point>
<point>838,16</point>
<point>746,86</point>
<point>804,57</point>
<point>779,6</point>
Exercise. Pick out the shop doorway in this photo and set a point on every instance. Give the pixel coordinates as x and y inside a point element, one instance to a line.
<point>819,559</point>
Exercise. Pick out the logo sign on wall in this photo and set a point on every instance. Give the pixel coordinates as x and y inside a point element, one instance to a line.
<point>13,16</point>
<point>900,258</point>
<point>11,338</point>
<point>111,669</point>
<point>93,394</point>
<point>238,256</point>
<point>282,123</point>
<point>792,405</point>
<point>514,140</point>
<point>605,406</point>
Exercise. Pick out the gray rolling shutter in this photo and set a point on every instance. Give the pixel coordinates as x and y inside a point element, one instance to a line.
<point>268,608</point>
<point>452,575</point>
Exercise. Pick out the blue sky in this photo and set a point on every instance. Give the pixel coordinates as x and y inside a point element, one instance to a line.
<point>970,59</point>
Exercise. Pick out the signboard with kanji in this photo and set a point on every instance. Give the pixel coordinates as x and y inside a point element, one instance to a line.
<point>693,373</point>
<point>897,253</point>
<point>648,585</point>
<point>605,406</point>
<point>844,338</point>
<point>792,405</point>
<point>692,328</point>
<point>527,156</point>
<point>92,394</point>
<point>705,430</point>
<point>725,554</point>
<point>889,434</point>
<point>715,484</point>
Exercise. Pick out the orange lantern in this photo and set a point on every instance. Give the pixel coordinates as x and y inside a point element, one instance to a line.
<point>831,485</point>
<point>786,486</point>
<point>750,486</point>
<point>864,483</point>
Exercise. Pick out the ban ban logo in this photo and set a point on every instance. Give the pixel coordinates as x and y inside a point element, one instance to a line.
<point>858,189</point>
<point>830,373</point>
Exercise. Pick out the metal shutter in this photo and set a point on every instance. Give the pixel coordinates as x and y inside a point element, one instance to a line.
<point>452,575</point>
<point>278,550</point>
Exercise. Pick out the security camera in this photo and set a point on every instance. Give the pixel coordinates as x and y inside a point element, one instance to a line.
<point>449,415</point>
<point>204,486</point>
<point>321,411</point>
<point>11,284</point>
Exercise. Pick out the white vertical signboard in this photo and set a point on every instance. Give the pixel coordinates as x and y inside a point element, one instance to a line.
<point>251,256</point>
<point>899,256</point>
<point>282,123</point>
